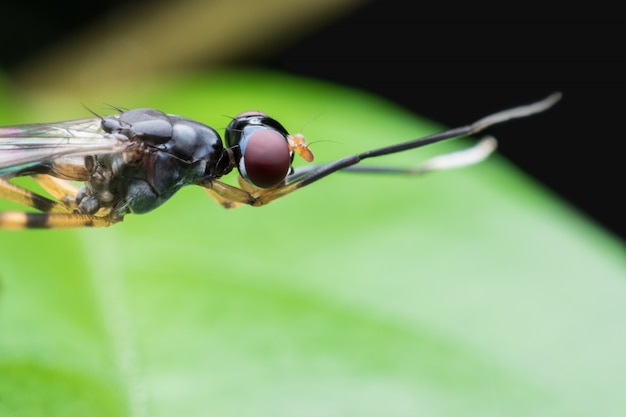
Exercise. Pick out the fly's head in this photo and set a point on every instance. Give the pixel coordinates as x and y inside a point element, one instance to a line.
<point>263,149</point>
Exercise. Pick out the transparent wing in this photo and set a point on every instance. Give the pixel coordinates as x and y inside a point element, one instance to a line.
<point>24,146</point>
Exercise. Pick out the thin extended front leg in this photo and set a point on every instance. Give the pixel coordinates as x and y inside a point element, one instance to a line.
<point>452,160</point>
<point>259,196</point>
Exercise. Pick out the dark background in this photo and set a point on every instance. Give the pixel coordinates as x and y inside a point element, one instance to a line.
<point>453,65</point>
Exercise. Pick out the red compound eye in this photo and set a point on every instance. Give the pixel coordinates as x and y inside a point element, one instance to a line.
<point>267,158</point>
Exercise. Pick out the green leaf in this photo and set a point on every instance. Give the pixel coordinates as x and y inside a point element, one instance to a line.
<point>462,293</point>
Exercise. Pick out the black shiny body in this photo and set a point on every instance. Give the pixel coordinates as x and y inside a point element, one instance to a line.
<point>165,153</point>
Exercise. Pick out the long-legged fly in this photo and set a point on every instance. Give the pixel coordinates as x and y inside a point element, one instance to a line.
<point>134,161</point>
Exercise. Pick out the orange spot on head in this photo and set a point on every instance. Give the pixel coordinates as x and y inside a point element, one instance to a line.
<point>298,143</point>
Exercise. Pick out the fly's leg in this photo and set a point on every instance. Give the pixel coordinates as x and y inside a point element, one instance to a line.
<point>224,201</point>
<point>458,159</point>
<point>62,190</point>
<point>21,220</point>
<point>54,215</point>
<point>232,197</point>
<point>17,194</point>
<point>259,196</point>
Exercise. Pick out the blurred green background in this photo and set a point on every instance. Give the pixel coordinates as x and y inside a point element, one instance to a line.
<point>470,292</point>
